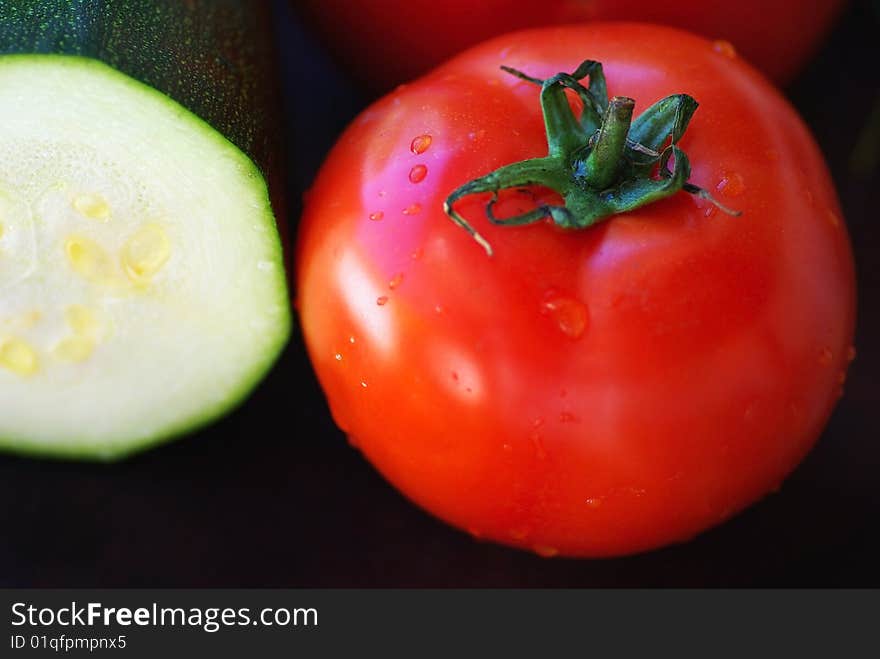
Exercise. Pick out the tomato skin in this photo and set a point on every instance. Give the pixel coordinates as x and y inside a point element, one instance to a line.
<point>587,393</point>
<point>386,42</point>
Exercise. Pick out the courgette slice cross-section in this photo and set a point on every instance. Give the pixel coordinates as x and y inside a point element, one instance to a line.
<point>142,285</point>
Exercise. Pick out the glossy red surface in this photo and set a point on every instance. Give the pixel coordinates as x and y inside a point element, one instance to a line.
<point>589,393</point>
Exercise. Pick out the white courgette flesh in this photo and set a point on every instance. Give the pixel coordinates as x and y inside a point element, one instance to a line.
<point>142,287</point>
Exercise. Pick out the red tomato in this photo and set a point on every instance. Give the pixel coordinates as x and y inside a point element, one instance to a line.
<point>386,42</point>
<point>590,392</point>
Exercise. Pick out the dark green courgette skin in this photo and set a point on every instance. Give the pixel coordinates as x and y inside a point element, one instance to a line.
<point>215,57</point>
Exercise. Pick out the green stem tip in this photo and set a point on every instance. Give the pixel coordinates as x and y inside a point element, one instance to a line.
<point>601,163</point>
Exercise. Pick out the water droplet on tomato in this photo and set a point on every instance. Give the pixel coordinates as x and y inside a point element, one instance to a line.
<point>420,144</point>
<point>363,384</point>
<point>378,215</point>
<point>593,502</point>
<point>723,513</point>
<point>506,447</point>
<point>439,309</point>
<point>519,533</point>
<point>731,184</point>
<point>833,219</point>
<point>395,281</point>
<point>826,356</point>
<point>418,173</point>
<point>381,300</point>
<point>850,353</point>
<point>724,47</point>
<point>351,340</point>
<point>567,417</point>
<point>412,209</point>
<point>545,551</point>
<point>571,316</point>
<point>338,356</point>
<point>538,445</point>
<point>841,378</point>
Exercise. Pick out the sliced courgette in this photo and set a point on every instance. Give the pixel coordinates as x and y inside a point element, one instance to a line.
<point>142,286</point>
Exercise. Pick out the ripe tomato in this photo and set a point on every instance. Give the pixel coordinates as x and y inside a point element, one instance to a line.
<point>387,42</point>
<point>584,392</point>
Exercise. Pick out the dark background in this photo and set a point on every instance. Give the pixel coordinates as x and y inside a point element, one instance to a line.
<point>274,496</point>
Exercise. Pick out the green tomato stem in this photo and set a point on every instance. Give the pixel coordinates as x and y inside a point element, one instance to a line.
<point>602,162</point>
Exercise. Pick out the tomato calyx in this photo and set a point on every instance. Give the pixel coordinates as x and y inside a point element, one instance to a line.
<point>601,163</point>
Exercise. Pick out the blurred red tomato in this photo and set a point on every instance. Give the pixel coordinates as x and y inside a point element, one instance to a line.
<point>386,42</point>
